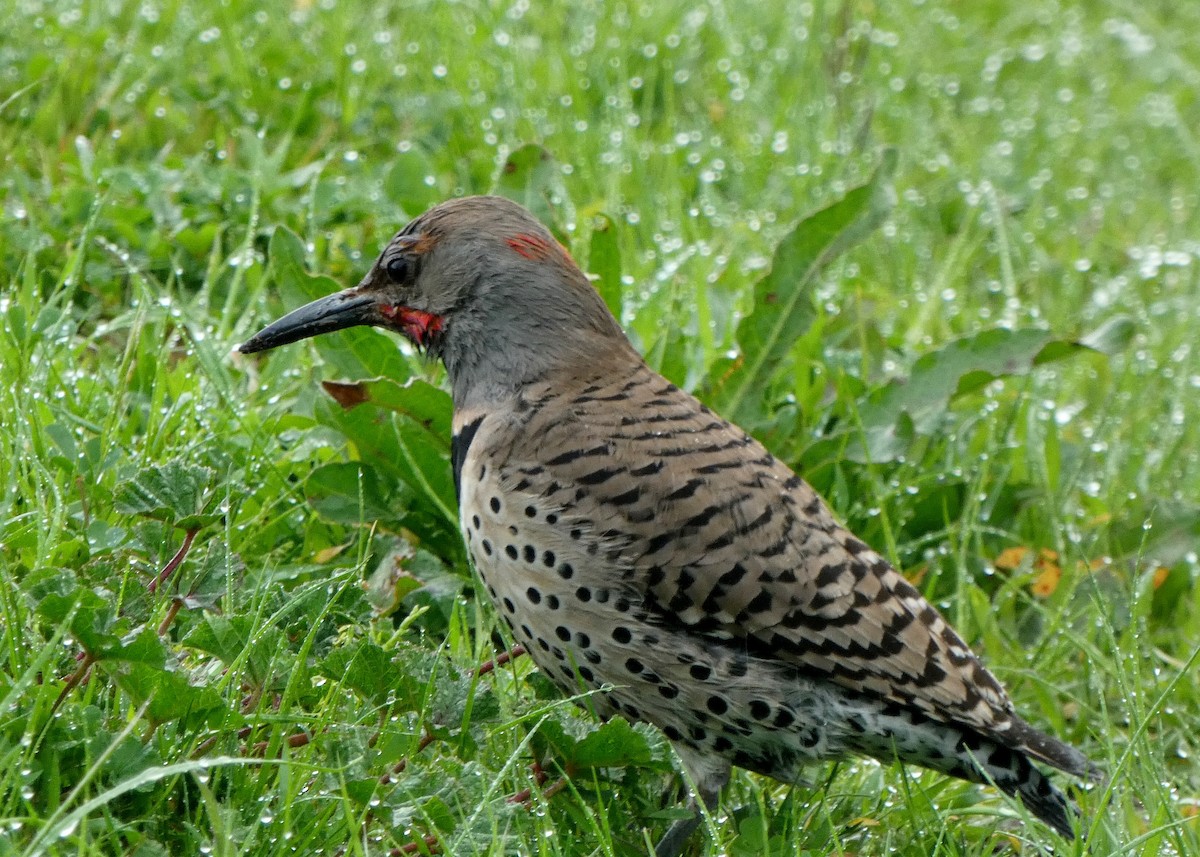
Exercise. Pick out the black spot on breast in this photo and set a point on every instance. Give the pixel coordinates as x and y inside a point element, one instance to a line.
<point>511,550</point>
<point>495,504</point>
<point>562,633</point>
<point>530,553</point>
<point>717,705</point>
<point>459,444</point>
<point>583,594</point>
<point>533,595</point>
<point>487,547</point>
<point>700,672</point>
<point>622,635</point>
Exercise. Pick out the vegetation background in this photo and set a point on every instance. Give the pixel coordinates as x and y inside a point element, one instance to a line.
<point>234,614</point>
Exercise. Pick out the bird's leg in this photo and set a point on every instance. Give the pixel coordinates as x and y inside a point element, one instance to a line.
<point>710,776</point>
<point>677,835</point>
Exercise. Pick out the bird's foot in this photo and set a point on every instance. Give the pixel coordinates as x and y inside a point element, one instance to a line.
<point>677,835</point>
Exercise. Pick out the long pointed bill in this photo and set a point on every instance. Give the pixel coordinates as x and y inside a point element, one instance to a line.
<point>340,310</point>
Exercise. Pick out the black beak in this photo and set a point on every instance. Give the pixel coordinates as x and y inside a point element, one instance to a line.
<point>340,310</point>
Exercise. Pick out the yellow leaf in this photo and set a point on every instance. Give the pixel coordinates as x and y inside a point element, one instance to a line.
<point>1010,558</point>
<point>1160,576</point>
<point>1047,580</point>
<point>328,554</point>
<point>916,575</point>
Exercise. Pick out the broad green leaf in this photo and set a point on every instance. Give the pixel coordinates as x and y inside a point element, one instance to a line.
<point>70,553</point>
<point>396,576</point>
<point>368,670</point>
<point>129,759</point>
<point>611,745</point>
<point>410,181</point>
<point>1110,338</point>
<point>349,493</point>
<point>170,695</point>
<point>604,262</point>
<point>227,638</point>
<point>90,616</point>
<point>221,636</point>
<point>144,646</point>
<point>783,307</point>
<point>962,366</point>
<point>204,582</point>
<point>407,455</point>
<point>176,493</point>
<point>428,406</point>
<point>959,368</point>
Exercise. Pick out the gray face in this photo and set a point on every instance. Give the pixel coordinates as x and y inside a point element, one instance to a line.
<point>411,288</point>
<point>477,282</point>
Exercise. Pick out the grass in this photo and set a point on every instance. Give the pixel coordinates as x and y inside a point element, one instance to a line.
<point>253,704</point>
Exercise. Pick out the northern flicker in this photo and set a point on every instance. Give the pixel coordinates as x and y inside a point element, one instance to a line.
<point>641,546</point>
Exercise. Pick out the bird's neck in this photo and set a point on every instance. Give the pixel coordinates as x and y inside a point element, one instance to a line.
<point>489,377</point>
<point>523,328</point>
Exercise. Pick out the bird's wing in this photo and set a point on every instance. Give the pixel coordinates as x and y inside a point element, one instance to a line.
<point>717,535</point>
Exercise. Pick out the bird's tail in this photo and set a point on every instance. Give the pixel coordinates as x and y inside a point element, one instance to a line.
<point>983,760</point>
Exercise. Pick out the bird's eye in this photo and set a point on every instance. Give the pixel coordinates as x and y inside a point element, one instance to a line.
<point>398,269</point>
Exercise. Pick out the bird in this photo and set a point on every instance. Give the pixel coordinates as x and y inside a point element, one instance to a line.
<point>656,556</point>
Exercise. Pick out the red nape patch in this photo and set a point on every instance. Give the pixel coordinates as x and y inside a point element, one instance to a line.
<point>416,324</point>
<point>531,246</point>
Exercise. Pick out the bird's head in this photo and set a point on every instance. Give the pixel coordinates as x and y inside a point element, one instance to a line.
<point>477,282</point>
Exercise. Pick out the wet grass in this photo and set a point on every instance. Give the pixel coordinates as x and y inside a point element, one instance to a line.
<point>1048,175</point>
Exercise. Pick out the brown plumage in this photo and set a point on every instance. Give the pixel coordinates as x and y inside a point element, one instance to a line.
<point>634,540</point>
